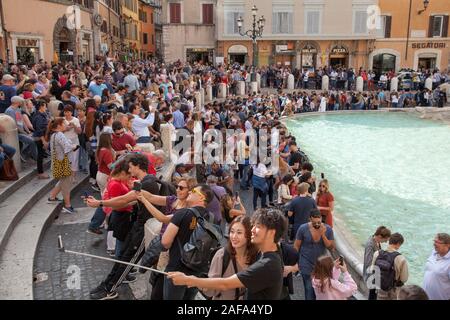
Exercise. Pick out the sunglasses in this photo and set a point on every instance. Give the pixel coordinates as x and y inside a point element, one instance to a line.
<point>198,192</point>
<point>181,187</point>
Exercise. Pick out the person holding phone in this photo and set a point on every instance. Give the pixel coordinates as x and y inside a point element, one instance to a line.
<point>229,211</point>
<point>325,279</point>
<point>325,202</point>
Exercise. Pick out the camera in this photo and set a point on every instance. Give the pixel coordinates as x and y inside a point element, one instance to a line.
<point>341,260</point>
<point>137,186</point>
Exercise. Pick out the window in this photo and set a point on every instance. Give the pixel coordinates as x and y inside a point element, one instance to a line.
<point>175,12</point>
<point>282,22</point>
<point>385,27</point>
<point>145,37</point>
<point>208,11</point>
<point>360,22</point>
<point>231,22</point>
<point>438,26</point>
<point>312,22</point>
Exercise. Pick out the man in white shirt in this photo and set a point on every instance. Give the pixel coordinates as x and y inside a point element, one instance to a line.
<point>140,126</point>
<point>436,281</point>
<point>131,81</point>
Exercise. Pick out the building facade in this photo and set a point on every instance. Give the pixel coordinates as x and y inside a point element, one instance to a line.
<point>425,44</point>
<point>189,30</point>
<point>107,27</point>
<point>50,30</point>
<point>300,34</point>
<point>131,46</point>
<point>157,24</point>
<point>147,30</point>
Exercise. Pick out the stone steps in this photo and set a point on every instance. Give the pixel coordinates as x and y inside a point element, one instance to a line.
<point>25,217</point>
<point>29,173</point>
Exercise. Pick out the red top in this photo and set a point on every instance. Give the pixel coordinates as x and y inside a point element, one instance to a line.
<point>324,200</point>
<point>105,158</point>
<point>151,163</point>
<point>117,188</point>
<point>118,143</point>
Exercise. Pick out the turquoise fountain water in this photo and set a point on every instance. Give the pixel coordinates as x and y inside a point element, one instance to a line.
<point>389,169</point>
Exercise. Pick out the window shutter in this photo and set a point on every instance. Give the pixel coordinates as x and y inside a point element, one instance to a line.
<point>275,23</point>
<point>445,27</point>
<point>388,26</point>
<point>430,27</point>
<point>290,23</point>
<point>205,13</point>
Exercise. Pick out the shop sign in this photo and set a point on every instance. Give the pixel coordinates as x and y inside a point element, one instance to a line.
<point>309,49</point>
<point>281,48</point>
<point>429,45</point>
<point>198,50</point>
<point>339,50</point>
<point>27,43</point>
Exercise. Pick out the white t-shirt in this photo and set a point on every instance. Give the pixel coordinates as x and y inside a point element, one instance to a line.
<point>71,134</point>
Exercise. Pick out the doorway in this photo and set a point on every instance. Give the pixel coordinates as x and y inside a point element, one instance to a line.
<point>383,63</point>
<point>338,62</point>
<point>238,57</point>
<point>427,63</point>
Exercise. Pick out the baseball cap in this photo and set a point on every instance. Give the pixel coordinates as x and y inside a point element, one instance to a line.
<point>8,77</point>
<point>17,99</point>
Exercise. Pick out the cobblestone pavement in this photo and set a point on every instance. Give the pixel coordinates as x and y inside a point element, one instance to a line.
<point>51,267</point>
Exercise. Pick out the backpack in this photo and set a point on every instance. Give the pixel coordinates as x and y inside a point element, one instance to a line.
<point>205,240</point>
<point>385,261</point>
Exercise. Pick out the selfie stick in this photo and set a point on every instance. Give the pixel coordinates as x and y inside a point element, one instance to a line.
<point>62,249</point>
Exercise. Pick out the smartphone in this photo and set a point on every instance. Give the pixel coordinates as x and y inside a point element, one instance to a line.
<point>85,195</point>
<point>322,175</point>
<point>341,260</point>
<point>137,186</point>
<point>236,195</point>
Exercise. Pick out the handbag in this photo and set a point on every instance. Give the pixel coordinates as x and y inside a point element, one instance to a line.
<point>8,171</point>
<point>60,168</point>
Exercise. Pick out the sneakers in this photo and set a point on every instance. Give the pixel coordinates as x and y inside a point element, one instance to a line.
<point>129,279</point>
<point>101,293</point>
<point>112,253</point>
<point>133,272</point>
<point>55,201</point>
<point>69,210</point>
<point>95,187</point>
<point>94,231</point>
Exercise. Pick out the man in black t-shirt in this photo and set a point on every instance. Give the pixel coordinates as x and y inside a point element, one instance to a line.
<point>295,160</point>
<point>264,278</point>
<point>178,233</point>
<point>133,247</point>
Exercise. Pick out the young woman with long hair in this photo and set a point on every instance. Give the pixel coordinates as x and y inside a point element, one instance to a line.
<point>240,253</point>
<point>284,193</point>
<point>60,147</point>
<point>325,202</point>
<point>325,280</point>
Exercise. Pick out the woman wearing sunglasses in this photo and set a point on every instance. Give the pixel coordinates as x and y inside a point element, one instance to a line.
<point>325,202</point>
<point>172,204</point>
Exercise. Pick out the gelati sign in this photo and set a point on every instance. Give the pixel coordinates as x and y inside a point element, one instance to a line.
<point>428,45</point>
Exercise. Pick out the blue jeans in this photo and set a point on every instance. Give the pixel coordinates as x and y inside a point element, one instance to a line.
<point>119,245</point>
<point>144,140</point>
<point>83,156</point>
<point>29,148</point>
<point>97,219</point>
<point>173,292</point>
<point>309,290</point>
<point>7,151</point>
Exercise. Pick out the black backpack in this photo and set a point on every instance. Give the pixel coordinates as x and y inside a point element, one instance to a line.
<point>385,261</point>
<point>205,240</point>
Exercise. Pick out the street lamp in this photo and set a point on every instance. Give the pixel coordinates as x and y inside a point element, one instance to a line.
<point>254,33</point>
<point>425,6</point>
